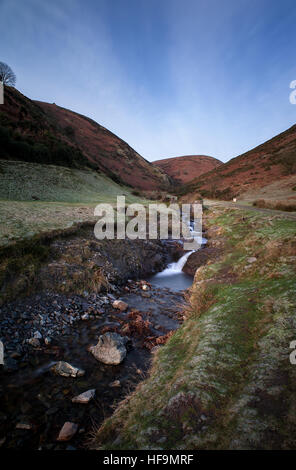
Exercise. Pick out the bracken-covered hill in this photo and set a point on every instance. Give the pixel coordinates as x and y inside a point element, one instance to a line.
<point>274,160</point>
<point>46,133</point>
<point>186,168</point>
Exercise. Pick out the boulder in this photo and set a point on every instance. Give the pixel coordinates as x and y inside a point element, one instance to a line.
<point>68,431</point>
<point>67,370</point>
<point>84,397</point>
<point>120,305</point>
<point>110,348</point>
<point>199,258</point>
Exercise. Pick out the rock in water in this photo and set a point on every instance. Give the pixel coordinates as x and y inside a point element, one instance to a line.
<point>110,348</point>
<point>115,384</point>
<point>1,354</point>
<point>120,305</point>
<point>68,431</point>
<point>24,426</point>
<point>84,397</point>
<point>67,370</point>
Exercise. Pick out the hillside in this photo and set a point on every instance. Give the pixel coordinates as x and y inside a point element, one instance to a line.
<point>274,160</point>
<point>46,133</point>
<point>186,168</point>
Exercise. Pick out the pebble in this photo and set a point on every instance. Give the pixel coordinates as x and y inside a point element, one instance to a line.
<point>34,342</point>
<point>37,335</point>
<point>115,384</point>
<point>23,426</point>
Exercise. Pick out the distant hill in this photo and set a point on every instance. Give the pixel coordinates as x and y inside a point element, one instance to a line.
<point>274,160</point>
<point>186,168</point>
<point>39,132</point>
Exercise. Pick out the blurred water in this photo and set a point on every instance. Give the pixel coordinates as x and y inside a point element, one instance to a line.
<point>173,277</point>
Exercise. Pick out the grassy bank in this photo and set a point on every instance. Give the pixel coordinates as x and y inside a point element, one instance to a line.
<point>224,379</point>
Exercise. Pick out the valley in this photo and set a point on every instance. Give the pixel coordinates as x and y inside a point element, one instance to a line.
<point>204,337</point>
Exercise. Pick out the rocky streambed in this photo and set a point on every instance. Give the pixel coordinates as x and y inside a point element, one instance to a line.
<point>42,408</point>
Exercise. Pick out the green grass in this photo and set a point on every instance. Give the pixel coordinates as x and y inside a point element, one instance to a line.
<point>65,197</point>
<point>224,379</point>
<point>21,181</point>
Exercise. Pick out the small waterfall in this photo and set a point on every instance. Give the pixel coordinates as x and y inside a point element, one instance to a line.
<point>175,268</point>
<point>173,276</point>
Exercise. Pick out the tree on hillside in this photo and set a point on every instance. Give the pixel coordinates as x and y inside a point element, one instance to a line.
<point>7,76</point>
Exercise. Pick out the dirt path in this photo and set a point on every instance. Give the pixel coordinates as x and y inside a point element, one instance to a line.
<point>234,205</point>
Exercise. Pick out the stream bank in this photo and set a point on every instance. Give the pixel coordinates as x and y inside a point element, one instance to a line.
<point>224,380</point>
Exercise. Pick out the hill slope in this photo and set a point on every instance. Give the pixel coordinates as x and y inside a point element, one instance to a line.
<point>274,160</point>
<point>45,133</point>
<point>186,168</point>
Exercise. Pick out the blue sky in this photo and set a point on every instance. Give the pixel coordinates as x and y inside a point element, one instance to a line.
<point>171,77</point>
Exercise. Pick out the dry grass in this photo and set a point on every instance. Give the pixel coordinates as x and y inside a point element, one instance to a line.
<point>285,205</point>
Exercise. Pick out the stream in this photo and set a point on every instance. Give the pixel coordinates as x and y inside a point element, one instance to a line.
<point>35,403</point>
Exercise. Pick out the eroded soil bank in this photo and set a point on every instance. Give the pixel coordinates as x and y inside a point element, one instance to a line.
<point>35,403</point>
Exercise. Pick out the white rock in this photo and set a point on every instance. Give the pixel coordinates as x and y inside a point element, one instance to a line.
<point>110,348</point>
<point>252,259</point>
<point>84,397</point>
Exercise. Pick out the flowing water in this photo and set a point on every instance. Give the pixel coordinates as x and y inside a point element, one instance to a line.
<point>173,276</point>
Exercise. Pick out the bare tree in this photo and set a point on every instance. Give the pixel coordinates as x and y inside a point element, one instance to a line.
<point>7,76</point>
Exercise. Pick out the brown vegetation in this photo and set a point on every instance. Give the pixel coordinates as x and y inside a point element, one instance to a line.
<point>285,205</point>
<point>46,133</point>
<point>186,168</point>
<point>269,162</point>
